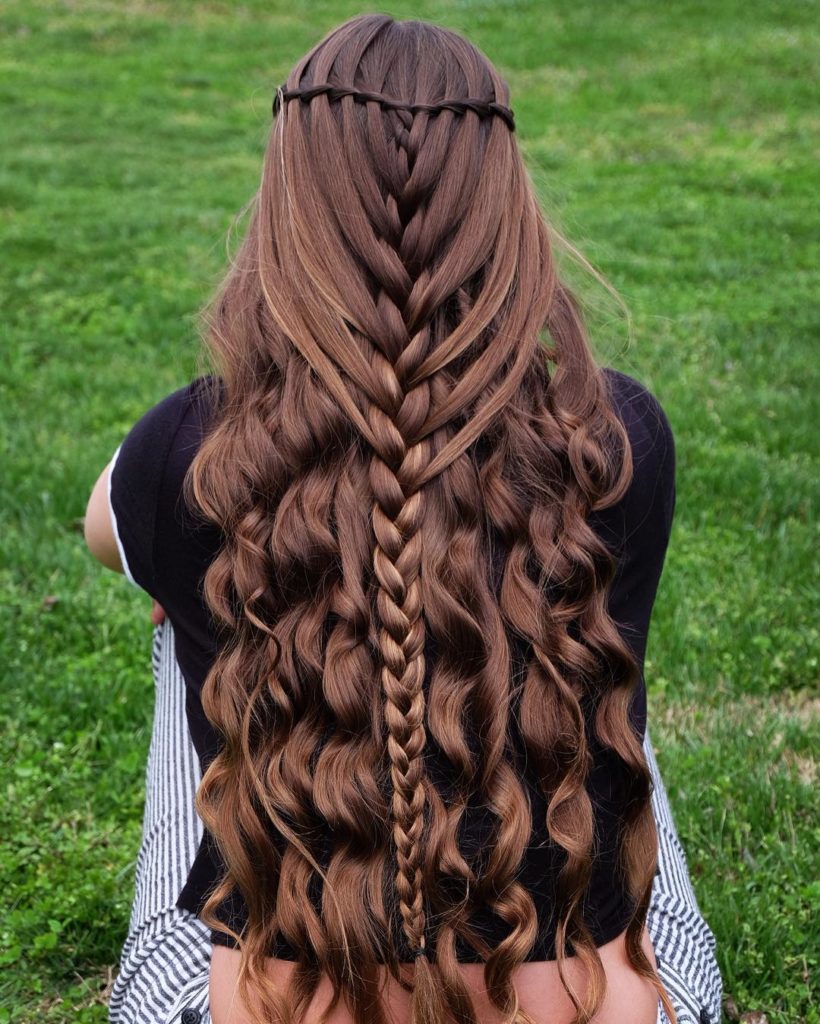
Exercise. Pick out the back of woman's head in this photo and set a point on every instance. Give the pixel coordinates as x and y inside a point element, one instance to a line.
<point>406,389</point>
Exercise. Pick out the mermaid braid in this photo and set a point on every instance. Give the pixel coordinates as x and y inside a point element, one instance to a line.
<point>396,417</point>
<point>398,515</point>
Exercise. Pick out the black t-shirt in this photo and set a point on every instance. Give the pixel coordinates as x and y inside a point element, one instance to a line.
<point>166,550</point>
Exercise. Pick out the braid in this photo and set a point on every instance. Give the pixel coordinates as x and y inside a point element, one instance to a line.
<point>398,514</point>
<point>396,560</point>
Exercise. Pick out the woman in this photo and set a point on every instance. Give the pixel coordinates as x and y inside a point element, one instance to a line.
<point>409,569</point>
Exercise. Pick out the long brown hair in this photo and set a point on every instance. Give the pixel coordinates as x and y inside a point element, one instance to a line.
<point>393,307</point>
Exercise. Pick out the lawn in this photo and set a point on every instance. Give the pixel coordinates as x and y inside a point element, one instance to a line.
<point>676,146</point>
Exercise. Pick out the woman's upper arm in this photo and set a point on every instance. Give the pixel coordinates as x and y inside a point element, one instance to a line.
<point>98,527</point>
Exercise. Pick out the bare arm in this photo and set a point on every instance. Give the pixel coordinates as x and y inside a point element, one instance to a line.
<point>98,528</point>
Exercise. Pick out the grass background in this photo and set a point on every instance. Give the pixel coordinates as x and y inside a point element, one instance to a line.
<point>675,144</point>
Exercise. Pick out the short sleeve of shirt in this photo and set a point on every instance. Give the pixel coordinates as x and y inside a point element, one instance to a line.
<point>135,484</point>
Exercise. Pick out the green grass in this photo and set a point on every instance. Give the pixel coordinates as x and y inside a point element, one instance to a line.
<point>675,144</point>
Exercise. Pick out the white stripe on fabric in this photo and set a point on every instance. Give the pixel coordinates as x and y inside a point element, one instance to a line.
<point>114,527</point>
<point>165,962</point>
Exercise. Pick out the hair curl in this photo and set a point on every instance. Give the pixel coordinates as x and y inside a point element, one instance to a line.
<point>390,314</point>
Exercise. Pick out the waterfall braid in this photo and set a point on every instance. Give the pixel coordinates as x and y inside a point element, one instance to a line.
<point>391,312</point>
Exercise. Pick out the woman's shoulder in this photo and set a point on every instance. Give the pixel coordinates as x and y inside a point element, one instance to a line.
<point>196,400</point>
<point>644,514</point>
<point>643,415</point>
<point>166,429</point>
<point>155,429</point>
<point>148,469</point>
<point>190,410</point>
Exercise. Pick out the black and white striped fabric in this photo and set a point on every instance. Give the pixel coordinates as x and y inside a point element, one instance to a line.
<point>163,974</point>
<point>165,961</point>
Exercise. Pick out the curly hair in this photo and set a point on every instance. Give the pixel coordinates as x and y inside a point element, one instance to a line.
<point>388,430</point>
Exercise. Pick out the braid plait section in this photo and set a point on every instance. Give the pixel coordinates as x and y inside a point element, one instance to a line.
<point>397,522</point>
